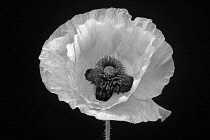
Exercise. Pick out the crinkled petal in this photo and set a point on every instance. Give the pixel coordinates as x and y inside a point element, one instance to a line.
<point>157,75</point>
<point>133,111</point>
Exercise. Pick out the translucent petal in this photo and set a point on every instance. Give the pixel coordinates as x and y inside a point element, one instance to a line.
<point>133,111</point>
<point>157,75</point>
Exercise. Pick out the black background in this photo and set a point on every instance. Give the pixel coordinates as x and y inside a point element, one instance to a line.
<point>31,112</point>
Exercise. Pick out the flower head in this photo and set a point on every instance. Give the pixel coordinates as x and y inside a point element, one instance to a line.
<point>111,66</point>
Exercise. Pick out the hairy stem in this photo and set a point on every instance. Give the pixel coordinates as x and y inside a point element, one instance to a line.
<point>107,130</point>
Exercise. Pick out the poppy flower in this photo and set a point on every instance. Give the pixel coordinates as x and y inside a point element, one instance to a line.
<point>109,66</point>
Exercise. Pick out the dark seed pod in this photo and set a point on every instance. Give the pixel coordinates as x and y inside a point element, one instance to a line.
<point>109,78</point>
